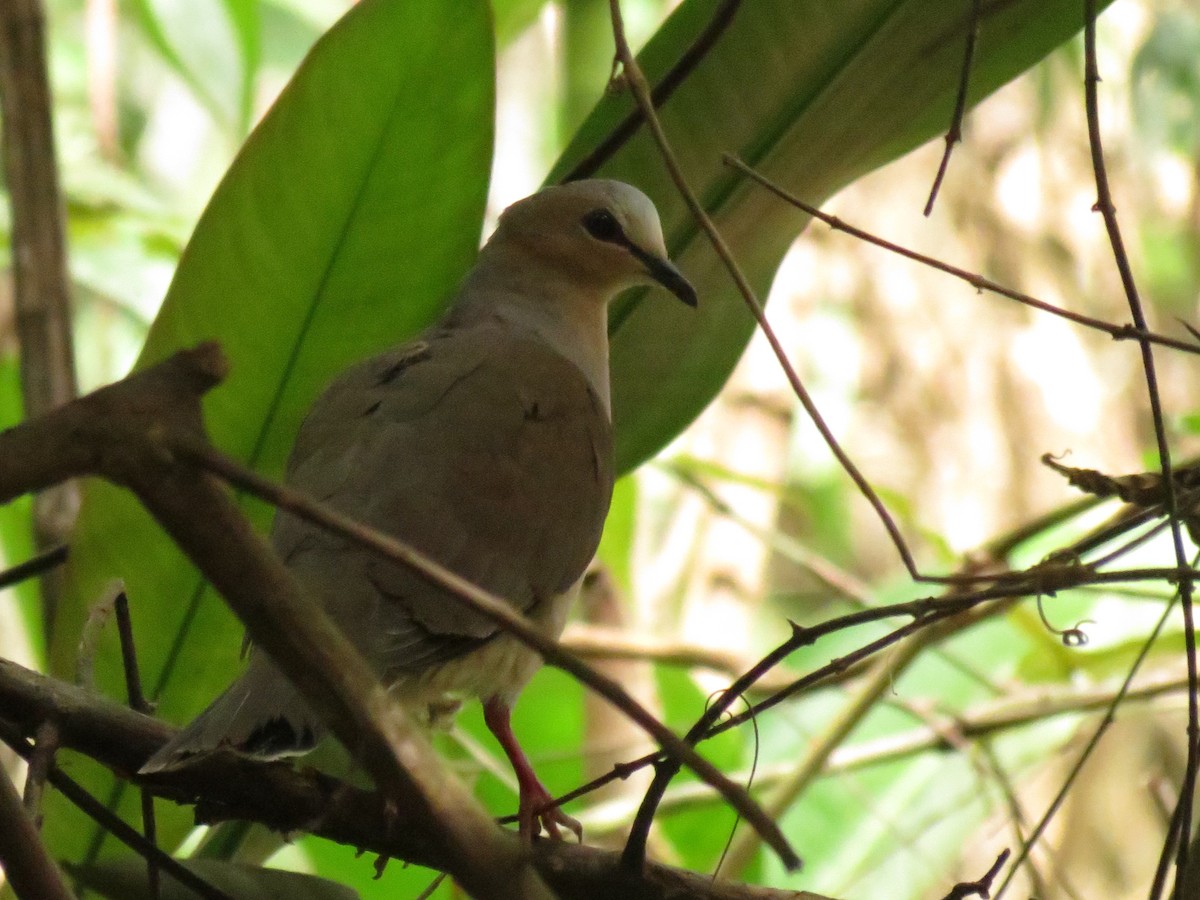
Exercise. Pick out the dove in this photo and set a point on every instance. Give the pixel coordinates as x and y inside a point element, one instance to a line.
<point>485,443</point>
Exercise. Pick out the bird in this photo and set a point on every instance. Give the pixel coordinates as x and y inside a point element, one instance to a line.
<point>486,443</point>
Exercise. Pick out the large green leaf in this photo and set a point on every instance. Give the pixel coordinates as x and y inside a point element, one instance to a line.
<point>347,218</point>
<point>814,94</point>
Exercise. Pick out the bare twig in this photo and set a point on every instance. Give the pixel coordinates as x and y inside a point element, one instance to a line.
<point>954,134</point>
<point>641,92</point>
<point>995,719</point>
<point>925,612</point>
<point>841,582</point>
<point>41,288</point>
<point>26,863</point>
<point>817,751</point>
<point>1137,332</point>
<point>137,701</point>
<point>675,76</point>
<point>133,679</point>
<point>988,763</point>
<point>1089,747</point>
<point>35,565</point>
<point>1182,824</point>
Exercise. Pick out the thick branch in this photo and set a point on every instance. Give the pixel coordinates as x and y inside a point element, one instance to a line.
<point>282,798</point>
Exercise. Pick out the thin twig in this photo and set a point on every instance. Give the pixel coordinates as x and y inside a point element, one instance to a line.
<point>997,718</point>
<point>841,582</point>
<point>991,768</point>
<point>634,854</point>
<point>1104,205</point>
<point>818,750</point>
<point>138,702</point>
<point>36,565</point>
<point>954,134</point>
<point>675,76</point>
<point>641,92</point>
<point>925,612</point>
<point>756,743</point>
<point>133,678</point>
<point>1106,720</point>
<point>1116,332</point>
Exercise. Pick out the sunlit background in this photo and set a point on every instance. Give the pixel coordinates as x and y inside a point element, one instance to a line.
<point>945,397</point>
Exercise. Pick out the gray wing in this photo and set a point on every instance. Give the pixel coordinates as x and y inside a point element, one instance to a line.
<point>488,452</point>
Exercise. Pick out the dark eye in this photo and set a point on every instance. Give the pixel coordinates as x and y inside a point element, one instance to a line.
<point>603,226</point>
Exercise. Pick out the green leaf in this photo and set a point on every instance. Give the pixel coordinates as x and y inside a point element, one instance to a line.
<point>812,95</point>
<point>348,217</point>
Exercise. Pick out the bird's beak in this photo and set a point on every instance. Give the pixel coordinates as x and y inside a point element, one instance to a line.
<point>664,272</point>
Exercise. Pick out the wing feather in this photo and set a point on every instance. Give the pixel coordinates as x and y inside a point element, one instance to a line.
<point>483,449</point>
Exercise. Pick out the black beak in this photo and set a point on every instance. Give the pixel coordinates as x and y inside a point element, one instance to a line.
<point>664,272</point>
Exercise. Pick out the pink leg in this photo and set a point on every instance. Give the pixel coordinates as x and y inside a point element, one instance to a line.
<point>532,811</point>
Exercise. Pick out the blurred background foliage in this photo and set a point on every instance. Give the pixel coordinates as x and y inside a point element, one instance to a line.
<point>929,763</point>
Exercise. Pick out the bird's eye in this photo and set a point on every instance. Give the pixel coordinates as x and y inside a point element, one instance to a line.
<point>603,226</point>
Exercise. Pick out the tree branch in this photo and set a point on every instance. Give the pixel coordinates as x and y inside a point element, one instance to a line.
<point>675,76</point>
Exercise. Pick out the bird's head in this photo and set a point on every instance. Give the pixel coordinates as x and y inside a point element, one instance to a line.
<point>599,233</point>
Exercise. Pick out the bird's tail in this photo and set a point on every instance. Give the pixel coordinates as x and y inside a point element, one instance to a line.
<point>260,715</point>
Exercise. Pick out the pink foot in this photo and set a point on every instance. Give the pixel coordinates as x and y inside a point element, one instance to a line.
<point>535,809</point>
